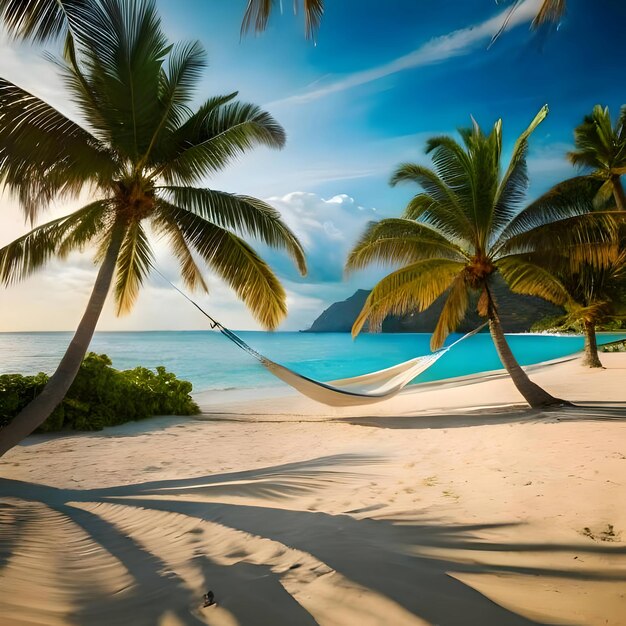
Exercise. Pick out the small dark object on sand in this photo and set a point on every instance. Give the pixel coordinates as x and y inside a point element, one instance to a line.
<point>209,599</point>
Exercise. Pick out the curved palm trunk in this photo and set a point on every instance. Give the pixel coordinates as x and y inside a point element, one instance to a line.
<point>618,193</point>
<point>533,393</point>
<point>36,412</point>
<point>591,358</point>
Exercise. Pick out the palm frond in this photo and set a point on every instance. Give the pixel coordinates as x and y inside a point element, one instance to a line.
<point>620,127</point>
<point>38,20</point>
<point>605,196</point>
<point>417,206</point>
<point>191,274</point>
<point>32,251</point>
<point>243,214</point>
<point>550,11</point>
<point>452,313</point>
<point>313,12</point>
<point>450,160</point>
<point>446,214</point>
<point>236,263</point>
<point>90,224</point>
<point>43,154</point>
<point>184,67</point>
<point>257,14</point>
<point>224,133</point>
<point>122,49</point>
<point>481,185</point>
<point>570,198</point>
<point>594,289</point>
<point>411,288</point>
<point>589,238</point>
<point>530,279</point>
<point>400,241</point>
<point>27,254</point>
<point>134,262</point>
<point>514,184</point>
<point>599,146</point>
<point>457,168</point>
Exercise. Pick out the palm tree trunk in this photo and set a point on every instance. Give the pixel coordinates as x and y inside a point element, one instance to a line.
<point>533,393</point>
<point>38,410</point>
<point>591,358</point>
<point>618,193</point>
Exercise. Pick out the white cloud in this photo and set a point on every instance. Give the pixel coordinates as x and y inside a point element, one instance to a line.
<point>326,228</point>
<point>435,50</point>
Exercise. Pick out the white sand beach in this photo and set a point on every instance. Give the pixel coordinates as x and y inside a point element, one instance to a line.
<point>453,505</point>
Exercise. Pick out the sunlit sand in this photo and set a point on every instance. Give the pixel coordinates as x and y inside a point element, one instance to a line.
<point>454,505</point>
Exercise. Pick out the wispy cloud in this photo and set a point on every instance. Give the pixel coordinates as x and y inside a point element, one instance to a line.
<point>435,50</point>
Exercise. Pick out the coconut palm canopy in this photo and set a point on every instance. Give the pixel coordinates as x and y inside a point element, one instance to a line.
<point>142,158</point>
<point>596,286</point>
<point>465,227</point>
<point>601,149</point>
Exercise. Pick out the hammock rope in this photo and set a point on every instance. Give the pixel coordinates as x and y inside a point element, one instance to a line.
<point>357,390</point>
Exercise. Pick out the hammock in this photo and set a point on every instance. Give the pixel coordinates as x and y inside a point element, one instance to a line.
<point>357,390</point>
<point>365,389</point>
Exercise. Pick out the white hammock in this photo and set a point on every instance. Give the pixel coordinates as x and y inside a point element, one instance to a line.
<point>366,389</point>
<point>354,391</point>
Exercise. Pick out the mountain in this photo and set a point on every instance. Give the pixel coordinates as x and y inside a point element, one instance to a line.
<point>339,316</point>
<point>517,313</point>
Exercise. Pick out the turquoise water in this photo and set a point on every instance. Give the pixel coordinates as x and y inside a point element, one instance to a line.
<point>212,362</point>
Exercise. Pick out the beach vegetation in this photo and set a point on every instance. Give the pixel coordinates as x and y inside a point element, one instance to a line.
<point>100,396</point>
<point>596,285</point>
<point>142,152</point>
<point>467,226</point>
<point>616,346</point>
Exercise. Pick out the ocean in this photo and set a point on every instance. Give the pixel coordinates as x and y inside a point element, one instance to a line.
<point>211,362</point>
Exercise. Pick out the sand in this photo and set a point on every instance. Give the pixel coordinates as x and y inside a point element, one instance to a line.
<point>450,506</point>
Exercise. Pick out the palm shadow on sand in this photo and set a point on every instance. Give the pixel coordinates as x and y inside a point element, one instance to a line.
<point>392,557</point>
<point>507,414</point>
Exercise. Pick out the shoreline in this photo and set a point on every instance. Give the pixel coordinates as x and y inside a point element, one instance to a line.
<point>565,377</point>
<point>282,391</point>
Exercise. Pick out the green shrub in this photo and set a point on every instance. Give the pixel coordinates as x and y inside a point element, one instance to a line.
<point>555,324</point>
<point>101,396</point>
<point>616,346</point>
<point>562,324</point>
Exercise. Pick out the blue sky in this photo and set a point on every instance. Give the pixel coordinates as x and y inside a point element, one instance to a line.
<point>376,83</point>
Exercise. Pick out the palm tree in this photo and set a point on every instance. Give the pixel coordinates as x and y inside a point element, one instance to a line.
<point>139,151</point>
<point>601,147</point>
<point>598,297</point>
<point>595,284</point>
<point>463,229</point>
